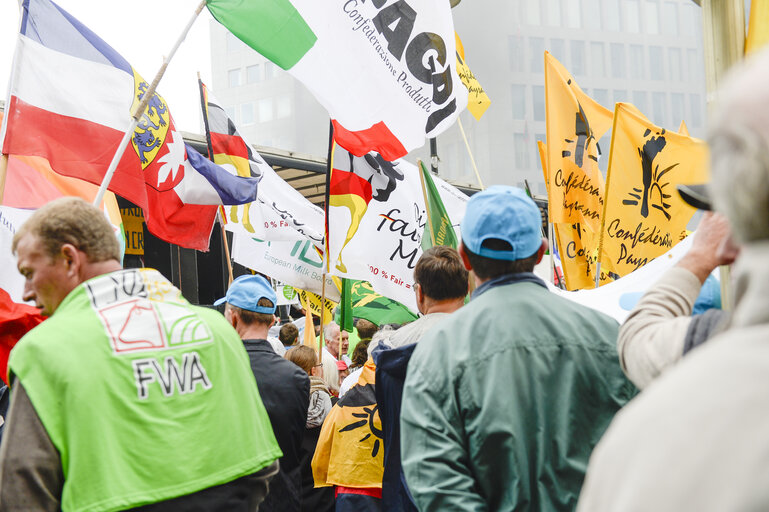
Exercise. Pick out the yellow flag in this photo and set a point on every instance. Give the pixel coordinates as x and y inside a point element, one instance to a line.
<point>577,247</point>
<point>758,26</point>
<point>644,216</point>
<point>349,451</point>
<point>312,301</point>
<point>682,129</point>
<point>477,99</point>
<point>575,123</point>
<point>309,327</point>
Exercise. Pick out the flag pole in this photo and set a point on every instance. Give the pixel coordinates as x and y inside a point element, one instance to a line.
<point>472,160</point>
<point>617,106</point>
<point>422,169</point>
<point>329,166</point>
<point>3,173</point>
<point>139,112</point>
<point>210,147</point>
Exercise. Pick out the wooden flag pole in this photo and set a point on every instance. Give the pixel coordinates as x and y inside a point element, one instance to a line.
<point>139,112</point>
<point>424,194</point>
<point>472,160</point>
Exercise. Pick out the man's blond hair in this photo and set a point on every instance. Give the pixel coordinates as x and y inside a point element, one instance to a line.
<point>71,220</point>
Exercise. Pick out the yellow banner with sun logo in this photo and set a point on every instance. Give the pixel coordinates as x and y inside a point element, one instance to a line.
<point>644,215</point>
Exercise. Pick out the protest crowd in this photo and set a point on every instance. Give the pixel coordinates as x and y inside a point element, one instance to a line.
<point>489,385</point>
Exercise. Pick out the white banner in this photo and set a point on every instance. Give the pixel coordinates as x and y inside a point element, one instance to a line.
<point>10,279</point>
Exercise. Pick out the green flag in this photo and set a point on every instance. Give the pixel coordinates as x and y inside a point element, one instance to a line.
<point>376,308</point>
<point>438,228</point>
<point>345,306</point>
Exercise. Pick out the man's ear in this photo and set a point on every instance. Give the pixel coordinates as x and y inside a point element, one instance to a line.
<point>73,259</point>
<point>463,255</point>
<point>542,249</point>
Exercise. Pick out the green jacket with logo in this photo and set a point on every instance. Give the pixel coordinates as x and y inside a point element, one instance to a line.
<point>144,396</point>
<point>504,401</point>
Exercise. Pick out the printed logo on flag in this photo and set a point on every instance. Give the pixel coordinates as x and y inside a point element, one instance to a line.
<point>138,316</point>
<point>652,192</point>
<point>150,134</point>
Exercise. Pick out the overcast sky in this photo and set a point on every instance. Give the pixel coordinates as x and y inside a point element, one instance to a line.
<point>142,31</point>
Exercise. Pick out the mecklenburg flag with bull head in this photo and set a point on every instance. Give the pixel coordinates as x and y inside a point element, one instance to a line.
<point>577,247</point>
<point>644,216</point>
<point>349,452</point>
<point>71,96</point>
<point>575,123</point>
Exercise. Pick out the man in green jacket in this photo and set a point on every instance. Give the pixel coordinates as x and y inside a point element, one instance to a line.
<point>504,401</point>
<point>127,396</point>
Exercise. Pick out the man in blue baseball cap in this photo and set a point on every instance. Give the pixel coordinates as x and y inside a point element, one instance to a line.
<point>284,387</point>
<point>504,401</point>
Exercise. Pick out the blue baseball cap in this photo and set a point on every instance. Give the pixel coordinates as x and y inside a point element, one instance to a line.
<point>503,213</point>
<point>245,292</point>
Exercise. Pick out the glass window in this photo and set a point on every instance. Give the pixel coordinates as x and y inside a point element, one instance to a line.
<point>617,51</point>
<point>283,107</point>
<point>677,108</point>
<point>676,66</point>
<point>611,15</point>
<point>538,97</point>
<point>536,54</point>
<point>631,16</point>
<point>602,97</point>
<point>557,48</point>
<point>532,14</point>
<point>695,64</point>
<point>230,112</point>
<point>233,77</point>
<point>636,61</point>
<point>658,108</point>
<point>651,17</point>
<point>620,95</point>
<point>578,57</point>
<point>265,110</point>
<point>573,13</point>
<point>597,60</point>
<point>656,67</point>
<point>233,43</point>
<point>553,12</point>
<point>247,113</point>
<point>253,74</point>
<point>641,102</point>
<point>670,19</point>
<point>269,70</point>
<point>592,14</point>
<point>521,151</point>
<point>690,18</point>
<point>515,44</point>
<point>519,101</point>
<point>696,107</point>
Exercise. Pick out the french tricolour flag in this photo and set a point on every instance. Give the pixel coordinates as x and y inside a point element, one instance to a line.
<point>70,101</point>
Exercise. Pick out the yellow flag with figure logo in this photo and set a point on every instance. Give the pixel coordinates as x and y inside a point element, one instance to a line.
<point>575,123</point>
<point>644,216</point>
<point>758,26</point>
<point>477,99</point>
<point>577,247</point>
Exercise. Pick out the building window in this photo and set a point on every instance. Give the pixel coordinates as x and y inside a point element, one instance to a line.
<point>557,48</point>
<point>611,15</point>
<point>592,14</point>
<point>233,77</point>
<point>230,112</point>
<point>283,107</point>
<point>247,113</point>
<point>669,19</point>
<point>651,17</point>
<point>538,97</point>
<point>694,64</point>
<point>578,57</point>
<point>656,67</point>
<point>641,102</point>
<point>690,19</point>
<point>631,16</point>
<point>519,101</point>
<point>597,60</point>
<point>553,12</point>
<point>233,43</point>
<point>621,96</point>
<point>677,107</point>
<point>536,54</point>
<point>269,70</point>
<point>521,151</point>
<point>573,13</point>
<point>617,60</point>
<point>533,17</point>
<point>517,59</point>
<point>602,97</point>
<point>265,110</point>
<point>695,106</point>
<point>676,65</point>
<point>636,62</point>
<point>658,108</point>
<point>253,74</point>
